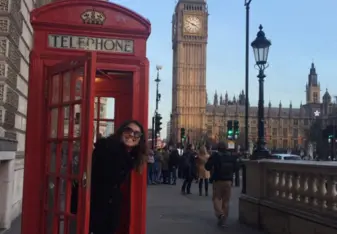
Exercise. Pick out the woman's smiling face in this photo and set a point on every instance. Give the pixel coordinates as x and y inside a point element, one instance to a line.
<point>131,135</point>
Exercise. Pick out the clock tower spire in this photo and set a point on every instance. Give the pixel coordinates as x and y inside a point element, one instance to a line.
<point>189,42</point>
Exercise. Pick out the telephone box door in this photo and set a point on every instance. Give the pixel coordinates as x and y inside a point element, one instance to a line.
<point>69,142</point>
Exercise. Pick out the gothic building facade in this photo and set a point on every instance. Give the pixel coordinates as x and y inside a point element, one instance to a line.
<point>285,126</point>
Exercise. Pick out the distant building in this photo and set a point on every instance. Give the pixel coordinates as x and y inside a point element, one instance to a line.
<point>285,127</point>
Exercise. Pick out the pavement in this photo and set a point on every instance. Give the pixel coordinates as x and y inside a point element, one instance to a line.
<point>170,212</point>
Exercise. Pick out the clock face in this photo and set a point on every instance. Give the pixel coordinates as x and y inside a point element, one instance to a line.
<point>192,24</point>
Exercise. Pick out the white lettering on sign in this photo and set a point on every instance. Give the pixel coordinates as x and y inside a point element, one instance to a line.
<point>90,43</point>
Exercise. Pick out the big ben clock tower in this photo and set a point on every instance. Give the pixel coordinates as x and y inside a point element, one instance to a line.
<point>189,42</point>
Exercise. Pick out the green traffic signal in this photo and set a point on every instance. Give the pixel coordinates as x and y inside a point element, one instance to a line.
<point>182,134</point>
<point>236,127</point>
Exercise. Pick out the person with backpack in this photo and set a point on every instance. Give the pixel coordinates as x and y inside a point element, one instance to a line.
<point>223,165</point>
<point>173,165</point>
<point>189,168</point>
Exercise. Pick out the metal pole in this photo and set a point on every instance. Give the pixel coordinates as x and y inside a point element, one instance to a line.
<point>333,154</point>
<point>261,140</point>
<point>247,4</point>
<point>157,80</point>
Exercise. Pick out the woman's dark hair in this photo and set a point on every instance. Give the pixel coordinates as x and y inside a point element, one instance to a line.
<point>140,152</point>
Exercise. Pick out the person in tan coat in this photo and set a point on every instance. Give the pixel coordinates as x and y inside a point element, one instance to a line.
<point>203,174</point>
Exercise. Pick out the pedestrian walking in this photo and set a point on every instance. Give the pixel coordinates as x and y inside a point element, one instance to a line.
<point>150,168</point>
<point>165,166</point>
<point>189,169</point>
<point>223,165</point>
<point>173,165</point>
<point>158,164</point>
<point>203,174</point>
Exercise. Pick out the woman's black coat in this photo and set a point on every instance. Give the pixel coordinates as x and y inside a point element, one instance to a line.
<point>111,165</point>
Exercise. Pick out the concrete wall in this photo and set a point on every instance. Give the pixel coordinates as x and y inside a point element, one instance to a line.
<point>17,188</point>
<point>11,178</point>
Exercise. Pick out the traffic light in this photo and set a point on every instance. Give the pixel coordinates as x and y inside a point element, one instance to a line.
<point>229,129</point>
<point>182,134</point>
<point>236,129</point>
<point>158,123</point>
<point>329,132</point>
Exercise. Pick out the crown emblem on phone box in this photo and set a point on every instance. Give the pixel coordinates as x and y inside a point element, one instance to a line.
<point>93,17</point>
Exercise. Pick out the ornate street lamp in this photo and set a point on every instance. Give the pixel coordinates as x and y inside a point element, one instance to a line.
<point>261,49</point>
<point>158,96</point>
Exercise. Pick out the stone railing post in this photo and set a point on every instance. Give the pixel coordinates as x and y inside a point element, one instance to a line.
<point>255,190</point>
<point>7,169</point>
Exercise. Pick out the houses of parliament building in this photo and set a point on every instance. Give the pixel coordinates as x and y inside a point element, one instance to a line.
<point>285,126</point>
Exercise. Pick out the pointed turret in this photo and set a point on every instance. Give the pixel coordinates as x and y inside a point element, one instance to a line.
<point>269,109</point>
<point>290,109</point>
<point>221,99</point>
<point>215,101</point>
<point>313,87</point>
<point>326,97</point>
<point>226,98</point>
<point>280,109</point>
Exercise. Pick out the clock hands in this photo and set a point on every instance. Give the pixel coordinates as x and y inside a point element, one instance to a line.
<point>191,23</point>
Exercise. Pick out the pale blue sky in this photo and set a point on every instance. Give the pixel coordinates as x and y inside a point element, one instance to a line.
<point>300,31</point>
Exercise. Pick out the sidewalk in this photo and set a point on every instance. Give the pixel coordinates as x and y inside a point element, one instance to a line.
<point>170,212</point>
<point>15,229</point>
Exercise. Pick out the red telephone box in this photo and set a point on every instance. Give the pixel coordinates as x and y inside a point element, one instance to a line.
<point>83,51</point>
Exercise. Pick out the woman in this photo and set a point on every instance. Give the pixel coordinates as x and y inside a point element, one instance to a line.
<point>203,174</point>
<point>113,160</point>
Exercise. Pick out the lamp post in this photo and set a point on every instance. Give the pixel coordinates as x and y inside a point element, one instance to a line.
<point>157,80</point>
<point>261,49</point>
<point>247,5</point>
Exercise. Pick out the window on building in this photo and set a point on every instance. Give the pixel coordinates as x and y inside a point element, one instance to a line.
<point>305,122</point>
<point>315,97</point>
<point>295,132</point>
<point>274,133</point>
<point>285,132</point>
<point>295,144</point>
<point>295,122</point>
<point>285,144</point>
<point>274,143</point>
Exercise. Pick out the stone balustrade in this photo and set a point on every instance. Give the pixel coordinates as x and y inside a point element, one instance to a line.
<point>290,196</point>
